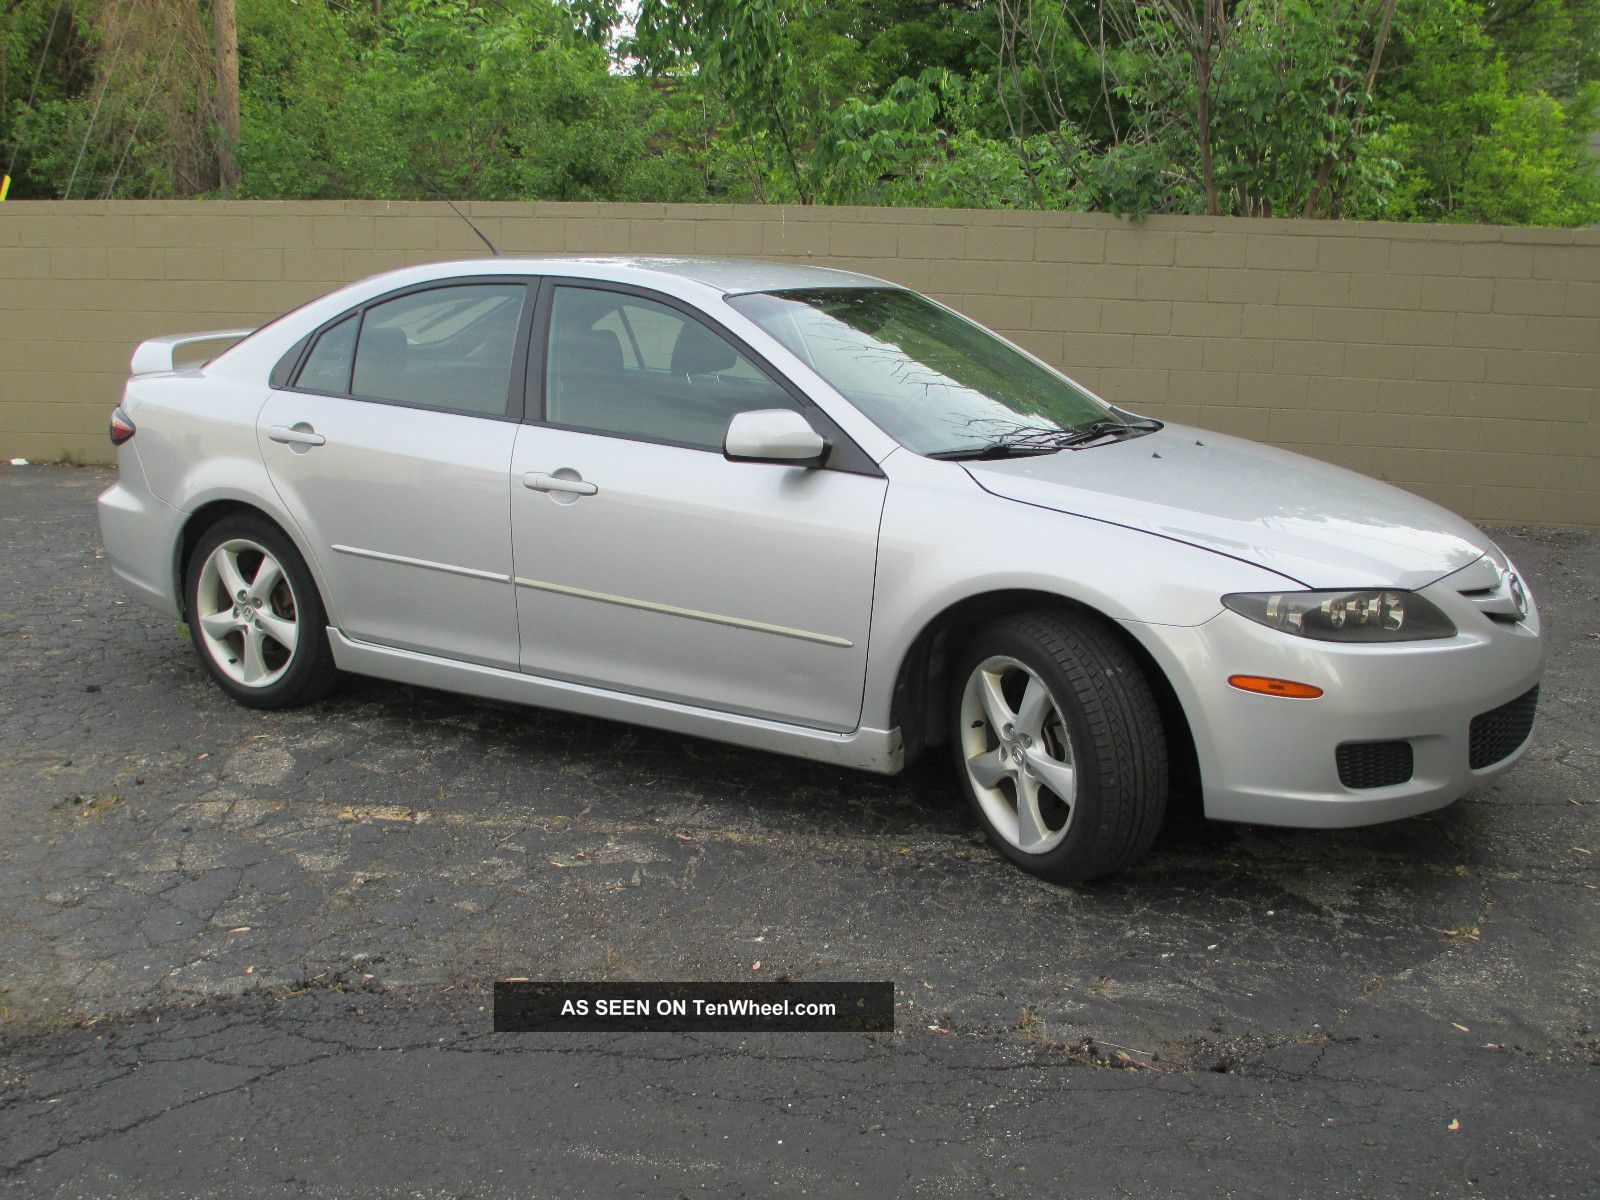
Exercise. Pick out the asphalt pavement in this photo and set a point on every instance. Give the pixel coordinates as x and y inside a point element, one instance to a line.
<point>249,953</point>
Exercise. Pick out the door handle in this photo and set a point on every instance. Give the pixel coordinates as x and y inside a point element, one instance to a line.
<point>300,435</point>
<point>539,481</point>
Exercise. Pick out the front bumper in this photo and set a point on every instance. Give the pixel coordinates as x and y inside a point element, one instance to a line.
<point>1273,761</point>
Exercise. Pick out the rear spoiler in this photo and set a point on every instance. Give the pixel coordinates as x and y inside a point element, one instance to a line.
<point>158,353</point>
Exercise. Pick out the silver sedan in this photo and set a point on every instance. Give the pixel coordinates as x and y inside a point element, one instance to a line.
<point>815,513</point>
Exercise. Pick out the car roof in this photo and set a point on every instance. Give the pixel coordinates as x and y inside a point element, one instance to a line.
<point>727,275</point>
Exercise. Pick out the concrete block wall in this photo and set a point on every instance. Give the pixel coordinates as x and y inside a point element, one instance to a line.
<point>1460,362</point>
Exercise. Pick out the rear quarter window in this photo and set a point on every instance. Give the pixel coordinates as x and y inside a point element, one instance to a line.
<point>328,367</point>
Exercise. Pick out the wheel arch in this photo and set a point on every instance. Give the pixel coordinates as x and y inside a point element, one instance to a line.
<point>217,509</point>
<point>922,681</point>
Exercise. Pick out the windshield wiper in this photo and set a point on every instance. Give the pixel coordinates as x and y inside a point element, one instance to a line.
<point>995,449</point>
<point>1135,421</point>
<point>1049,441</point>
<point>1106,427</point>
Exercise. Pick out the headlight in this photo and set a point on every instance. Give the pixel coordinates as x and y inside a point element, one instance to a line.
<point>1360,616</point>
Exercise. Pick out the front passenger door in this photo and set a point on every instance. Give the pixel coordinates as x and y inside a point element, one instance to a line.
<point>647,563</point>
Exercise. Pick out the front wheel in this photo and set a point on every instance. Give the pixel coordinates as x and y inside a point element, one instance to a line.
<point>1059,745</point>
<point>255,616</point>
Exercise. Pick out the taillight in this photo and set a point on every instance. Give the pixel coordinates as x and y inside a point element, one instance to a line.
<point>121,427</point>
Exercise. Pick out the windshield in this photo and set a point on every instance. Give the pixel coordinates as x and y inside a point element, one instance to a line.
<point>935,382</point>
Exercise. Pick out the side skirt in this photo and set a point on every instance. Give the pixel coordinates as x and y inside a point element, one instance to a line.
<point>878,750</point>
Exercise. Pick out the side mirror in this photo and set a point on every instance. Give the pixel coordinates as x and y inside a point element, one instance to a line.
<point>773,435</point>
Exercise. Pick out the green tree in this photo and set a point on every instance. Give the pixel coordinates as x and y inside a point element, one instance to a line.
<point>1471,143</point>
<point>745,54</point>
<point>445,98</point>
<point>1454,110</point>
<point>1256,108</point>
<point>107,99</point>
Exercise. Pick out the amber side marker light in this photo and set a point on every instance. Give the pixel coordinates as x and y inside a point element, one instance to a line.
<point>1263,686</point>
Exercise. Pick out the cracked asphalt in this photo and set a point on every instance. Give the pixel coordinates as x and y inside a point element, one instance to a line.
<point>250,954</point>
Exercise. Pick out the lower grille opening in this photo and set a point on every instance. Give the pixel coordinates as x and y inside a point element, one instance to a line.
<point>1374,764</point>
<point>1498,733</point>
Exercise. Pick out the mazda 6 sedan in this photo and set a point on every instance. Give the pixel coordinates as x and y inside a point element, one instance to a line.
<point>812,512</point>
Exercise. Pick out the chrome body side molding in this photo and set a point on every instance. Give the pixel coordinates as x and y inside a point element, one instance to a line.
<point>693,614</point>
<point>425,564</point>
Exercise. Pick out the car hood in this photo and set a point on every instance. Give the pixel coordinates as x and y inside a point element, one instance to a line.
<point>1320,525</point>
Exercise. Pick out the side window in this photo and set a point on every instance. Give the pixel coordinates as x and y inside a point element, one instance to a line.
<point>448,347</point>
<point>623,364</point>
<point>655,330</point>
<point>328,368</point>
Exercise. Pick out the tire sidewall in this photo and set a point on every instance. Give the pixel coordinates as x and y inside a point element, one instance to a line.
<point>309,616</point>
<point>1060,861</point>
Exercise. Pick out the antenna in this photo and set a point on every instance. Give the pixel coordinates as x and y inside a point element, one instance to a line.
<point>471,226</point>
<point>422,178</point>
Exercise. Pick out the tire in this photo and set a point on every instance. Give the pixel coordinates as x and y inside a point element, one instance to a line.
<point>1048,702</point>
<point>274,654</point>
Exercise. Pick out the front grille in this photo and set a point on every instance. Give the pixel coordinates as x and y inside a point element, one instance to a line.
<point>1497,733</point>
<point>1373,764</point>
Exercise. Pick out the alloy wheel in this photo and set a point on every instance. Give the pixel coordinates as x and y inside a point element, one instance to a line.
<point>1018,754</point>
<point>246,613</point>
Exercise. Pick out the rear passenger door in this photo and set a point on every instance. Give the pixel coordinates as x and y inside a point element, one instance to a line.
<point>390,445</point>
<point>646,562</point>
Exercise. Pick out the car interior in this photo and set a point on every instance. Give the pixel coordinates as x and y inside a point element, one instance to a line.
<point>452,350</point>
<point>619,364</point>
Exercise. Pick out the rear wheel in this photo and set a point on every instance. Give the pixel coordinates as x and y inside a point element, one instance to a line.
<point>255,616</point>
<point>1059,745</point>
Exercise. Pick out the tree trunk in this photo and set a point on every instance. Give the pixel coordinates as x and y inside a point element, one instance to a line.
<point>1325,171</point>
<point>1208,168</point>
<point>225,18</point>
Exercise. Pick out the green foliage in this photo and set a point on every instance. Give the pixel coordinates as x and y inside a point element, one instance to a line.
<point>1290,108</point>
<point>1548,45</point>
<point>1258,108</point>
<point>746,56</point>
<point>1530,169</point>
<point>36,83</point>
<point>921,145</point>
<point>1470,143</point>
<point>103,99</point>
<point>444,98</point>
<point>1463,110</point>
<point>46,98</point>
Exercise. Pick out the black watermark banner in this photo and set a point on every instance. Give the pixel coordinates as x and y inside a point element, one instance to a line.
<point>524,1006</point>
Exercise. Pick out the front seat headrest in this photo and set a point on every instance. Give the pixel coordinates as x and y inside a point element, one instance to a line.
<point>698,351</point>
